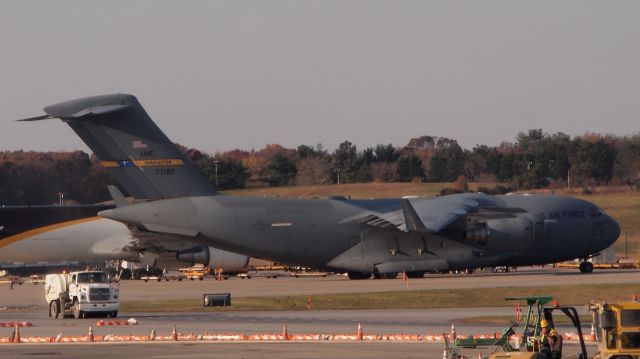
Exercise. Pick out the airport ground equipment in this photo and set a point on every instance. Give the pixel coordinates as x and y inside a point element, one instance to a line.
<point>617,328</point>
<point>529,347</point>
<point>196,272</point>
<point>80,293</point>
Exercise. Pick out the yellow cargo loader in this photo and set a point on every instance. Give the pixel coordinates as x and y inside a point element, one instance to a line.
<point>617,330</point>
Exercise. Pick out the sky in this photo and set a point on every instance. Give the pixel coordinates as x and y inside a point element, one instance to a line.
<point>221,75</point>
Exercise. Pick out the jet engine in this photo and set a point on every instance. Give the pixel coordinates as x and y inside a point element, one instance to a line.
<point>214,258</point>
<point>478,233</point>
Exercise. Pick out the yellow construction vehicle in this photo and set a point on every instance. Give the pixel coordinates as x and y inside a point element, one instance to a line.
<point>617,330</point>
<point>529,344</point>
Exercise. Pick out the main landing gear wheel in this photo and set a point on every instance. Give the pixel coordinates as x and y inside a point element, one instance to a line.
<point>385,275</point>
<point>358,275</point>
<point>586,267</point>
<point>415,274</point>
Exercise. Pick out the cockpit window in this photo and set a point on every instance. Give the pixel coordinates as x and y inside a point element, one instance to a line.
<point>595,212</point>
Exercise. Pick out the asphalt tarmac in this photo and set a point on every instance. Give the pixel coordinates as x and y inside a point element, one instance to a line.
<point>32,295</point>
<point>244,350</point>
<point>390,321</point>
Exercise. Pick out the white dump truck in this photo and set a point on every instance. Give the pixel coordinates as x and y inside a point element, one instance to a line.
<point>80,294</point>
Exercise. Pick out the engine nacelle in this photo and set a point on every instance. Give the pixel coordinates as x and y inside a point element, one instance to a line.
<point>214,258</point>
<point>478,233</point>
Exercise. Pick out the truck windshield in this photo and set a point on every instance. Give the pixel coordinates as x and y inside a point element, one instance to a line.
<point>630,317</point>
<point>92,278</point>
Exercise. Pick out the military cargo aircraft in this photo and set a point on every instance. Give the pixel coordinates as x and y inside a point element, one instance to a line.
<point>360,237</point>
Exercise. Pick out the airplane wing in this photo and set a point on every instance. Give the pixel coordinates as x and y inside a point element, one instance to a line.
<point>435,214</point>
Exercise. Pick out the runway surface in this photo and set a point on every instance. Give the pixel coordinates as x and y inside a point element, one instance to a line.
<point>389,321</point>
<point>32,295</point>
<point>244,350</point>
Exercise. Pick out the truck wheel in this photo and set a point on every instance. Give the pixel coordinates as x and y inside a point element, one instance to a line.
<point>114,314</point>
<point>76,310</point>
<point>54,309</point>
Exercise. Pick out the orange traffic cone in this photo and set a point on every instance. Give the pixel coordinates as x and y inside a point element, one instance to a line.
<point>359,332</point>
<point>285,332</point>
<point>174,334</point>
<point>16,336</point>
<point>90,333</point>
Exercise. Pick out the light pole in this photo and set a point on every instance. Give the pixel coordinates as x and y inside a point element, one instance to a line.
<point>215,166</point>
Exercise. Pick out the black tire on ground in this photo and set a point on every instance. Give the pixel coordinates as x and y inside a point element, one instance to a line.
<point>126,274</point>
<point>114,314</point>
<point>76,310</point>
<point>54,309</point>
<point>385,275</point>
<point>415,274</point>
<point>358,275</point>
<point>586,267</point>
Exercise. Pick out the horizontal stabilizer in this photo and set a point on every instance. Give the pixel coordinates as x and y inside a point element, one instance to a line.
<point>37,118</point>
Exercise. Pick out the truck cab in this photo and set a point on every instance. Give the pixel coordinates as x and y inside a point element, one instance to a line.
<point>81,293</point>
<point>617,329</point>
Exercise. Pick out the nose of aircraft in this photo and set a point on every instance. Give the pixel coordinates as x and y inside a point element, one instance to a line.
<point>612,232</point>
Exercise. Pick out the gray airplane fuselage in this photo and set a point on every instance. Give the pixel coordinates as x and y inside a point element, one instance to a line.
<point>327,233</point>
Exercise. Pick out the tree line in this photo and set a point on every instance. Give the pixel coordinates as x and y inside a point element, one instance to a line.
<point>535,160</point>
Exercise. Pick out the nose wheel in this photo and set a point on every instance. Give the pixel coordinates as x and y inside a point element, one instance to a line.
<point>586,267</point>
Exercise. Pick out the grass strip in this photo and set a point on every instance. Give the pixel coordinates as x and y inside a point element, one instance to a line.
<point>408,299</point>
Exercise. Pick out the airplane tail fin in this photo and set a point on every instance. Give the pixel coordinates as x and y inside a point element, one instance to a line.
<point>131,146</point>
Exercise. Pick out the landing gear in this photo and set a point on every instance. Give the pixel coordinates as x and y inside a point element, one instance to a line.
<point>385,275</point>
<point>358,275</point>
<point>415,274</point>
<point>586,267</point>
<point>125,274</point>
